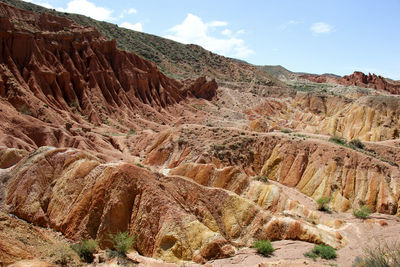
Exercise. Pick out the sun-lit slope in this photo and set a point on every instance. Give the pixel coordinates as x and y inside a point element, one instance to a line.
<point>173,58</point>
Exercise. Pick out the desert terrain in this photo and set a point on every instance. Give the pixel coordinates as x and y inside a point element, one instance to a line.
<point>197,158</point>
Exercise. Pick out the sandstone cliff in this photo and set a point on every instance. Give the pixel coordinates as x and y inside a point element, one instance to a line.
<point>172,218</point>
<point>314,167</point>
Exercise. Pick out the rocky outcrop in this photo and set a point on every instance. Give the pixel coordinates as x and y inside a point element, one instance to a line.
<point>204,88</point>
<point>20,241</point>
<point>172,218</point>
<point>10,156</point>
<point>65,85</point>
<point>358,79</point>
<point>267,195</point>
<point>66,66</point>
<point>314,167</point>
<point>368,118</point>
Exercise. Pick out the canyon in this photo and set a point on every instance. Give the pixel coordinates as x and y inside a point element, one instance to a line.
<point>96,140</point>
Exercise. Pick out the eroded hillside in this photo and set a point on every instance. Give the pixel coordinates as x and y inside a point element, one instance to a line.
<point>95,140</point>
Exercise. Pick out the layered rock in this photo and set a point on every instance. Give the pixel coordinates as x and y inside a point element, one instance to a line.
<point>63,84</point>
<point>369,118</point>
<point>314,167</point>
<point>172,218</point>
<point>358,79</point>
<point>268,196</point>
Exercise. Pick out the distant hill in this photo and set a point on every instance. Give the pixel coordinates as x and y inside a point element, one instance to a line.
<point>277,71</point>
<point>174,59</point>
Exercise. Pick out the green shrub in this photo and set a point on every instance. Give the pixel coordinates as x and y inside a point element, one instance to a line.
<point>322,201</point>
<point>325,252</point>
<point>286,130</point>
<point>311,255</point>
<point>362,213</point>
<point>85,249</point>
<point>356,143</point>
<point>264,247</point>
<point>131,131</point>
<point>122,242</point>
<point>338,140</point>
<point>261,178</point>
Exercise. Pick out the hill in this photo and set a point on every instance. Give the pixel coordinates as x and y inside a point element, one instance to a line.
<point>174,59</point>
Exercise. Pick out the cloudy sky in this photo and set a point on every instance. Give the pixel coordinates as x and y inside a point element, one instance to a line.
<point>315,36</point>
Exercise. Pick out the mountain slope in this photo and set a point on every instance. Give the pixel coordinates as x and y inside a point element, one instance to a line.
<point>174,59</point>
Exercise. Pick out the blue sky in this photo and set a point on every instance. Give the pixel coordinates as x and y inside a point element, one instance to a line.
<point>315,36</point>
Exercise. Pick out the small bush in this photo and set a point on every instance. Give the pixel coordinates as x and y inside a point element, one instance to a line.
<point>356,143</point>
<point>63,255</point>
<point>311,255</point>
<point>85,249</point>
<point>286,131</point>
<point>362,213</point>
<point>261,178</point>
<point>139,165</point>
<point>382,255</point>
<point>122,242</point>
<point>338,140</point>
<point>181,141</point>
<point>325,252</point>
<point>264,247</point>
<point>322,201</point>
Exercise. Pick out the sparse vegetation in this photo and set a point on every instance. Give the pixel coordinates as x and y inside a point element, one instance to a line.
<point>63,255</point>
<point>25,110</point>
<point>323,251</point>
<point>85,249</point>
<point>286,130</point>
<point>338,140</point>
<point>261,178</point>
<point>382,255</point>
<point>122,242</point>
<point>264,247</point>
<point>322,204</point>
<point>311,255</point>
<point>356,143</point>
<point>362,213</point>
<point>181,141</point>
<point>131,131</point>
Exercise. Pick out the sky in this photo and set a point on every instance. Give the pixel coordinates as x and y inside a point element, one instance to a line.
<point>314,36</point>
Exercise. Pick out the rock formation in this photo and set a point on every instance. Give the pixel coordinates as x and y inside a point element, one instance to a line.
<point>172,218</point>
<point>95,140</point>
<point>314,167</point>
<point>358,79</point>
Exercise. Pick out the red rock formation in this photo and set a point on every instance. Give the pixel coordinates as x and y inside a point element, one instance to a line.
<point>358,79</point>
<point>172,218</point>
<point>60,81</point>
<point>63,64</point>
<point>204,88</point>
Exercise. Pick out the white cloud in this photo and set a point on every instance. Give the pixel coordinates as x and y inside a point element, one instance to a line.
<point>227,32</point>
<point>321,27</point>
<point>87,8</point>
<point>194,30</point>
<point>127,12</point>
<point>217,23</point>
<point>44,4</point>
<point>136,27</point>
<point>132,11</point>
<point>284,26</point>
